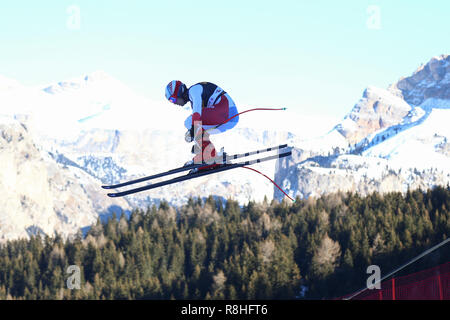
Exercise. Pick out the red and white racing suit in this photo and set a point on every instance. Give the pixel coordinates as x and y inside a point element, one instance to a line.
<point>211,106</point>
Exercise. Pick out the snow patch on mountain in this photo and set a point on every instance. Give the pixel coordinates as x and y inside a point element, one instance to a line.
<point>419,145</point>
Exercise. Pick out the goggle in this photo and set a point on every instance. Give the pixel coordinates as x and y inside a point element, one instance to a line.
<point>172,99</point>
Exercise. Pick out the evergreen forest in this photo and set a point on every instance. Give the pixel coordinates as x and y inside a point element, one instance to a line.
<point>213,249</point>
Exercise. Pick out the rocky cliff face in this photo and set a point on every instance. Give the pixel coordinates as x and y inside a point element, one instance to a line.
<point>429,81</point>
<point>379,109</point>
<point>38,195</point>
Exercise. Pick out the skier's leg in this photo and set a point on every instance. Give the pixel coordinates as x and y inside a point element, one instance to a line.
<point>204,150</point>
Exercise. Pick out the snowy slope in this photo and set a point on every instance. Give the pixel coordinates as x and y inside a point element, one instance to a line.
<point>96,100</point>
<point>418,146</point>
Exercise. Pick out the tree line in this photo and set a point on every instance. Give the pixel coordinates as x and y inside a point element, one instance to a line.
<point>214,249</point>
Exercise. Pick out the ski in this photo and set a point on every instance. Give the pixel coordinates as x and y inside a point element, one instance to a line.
<point>181,169</point>
<point>198,174</point>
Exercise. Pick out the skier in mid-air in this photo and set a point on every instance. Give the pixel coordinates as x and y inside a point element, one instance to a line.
<point>213,112</point>
<point>211,108</point>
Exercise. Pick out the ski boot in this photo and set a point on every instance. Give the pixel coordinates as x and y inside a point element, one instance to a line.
<point>219,160</point>
<point>221,157</point>
<point>190,163</point>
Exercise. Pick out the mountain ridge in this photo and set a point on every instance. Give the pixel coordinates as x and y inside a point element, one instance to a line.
<point>81,142</point>
<point>392,144</point>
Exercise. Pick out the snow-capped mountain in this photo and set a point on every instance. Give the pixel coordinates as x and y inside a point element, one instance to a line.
<point>391,140</point>
<point>60,142</point>
<point>427,88</point>
<point>428,85</point>
<point>40,195</point>
<point>377,109</point>
<point>97,131</point>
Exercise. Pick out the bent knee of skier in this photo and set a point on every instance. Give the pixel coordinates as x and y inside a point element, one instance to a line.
<point>188,122</point>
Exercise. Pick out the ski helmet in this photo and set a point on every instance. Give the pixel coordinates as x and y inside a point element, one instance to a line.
<point>175,89</point>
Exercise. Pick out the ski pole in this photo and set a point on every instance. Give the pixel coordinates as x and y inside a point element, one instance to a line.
<point>276,185</point>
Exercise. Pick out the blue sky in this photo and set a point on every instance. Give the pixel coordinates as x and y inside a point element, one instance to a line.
<point>314,57</point>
